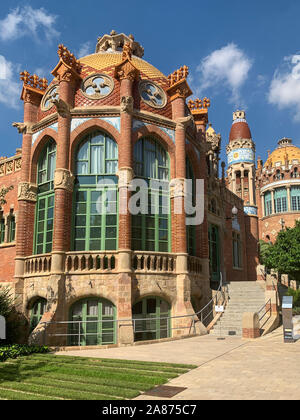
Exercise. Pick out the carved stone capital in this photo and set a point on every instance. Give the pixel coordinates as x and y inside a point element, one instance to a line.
<point>64,180</point>
<point>177,187</point>
<point>125,176</point>
<point>126,71</point>
<point>27,192</point>
<point>127,104</point>
<point>184,122</point>
<point>23,128</point>
<point>63,109</point>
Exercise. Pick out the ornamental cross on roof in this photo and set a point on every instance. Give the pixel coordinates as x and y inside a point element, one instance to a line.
<point>33,81</point>
<point>68,58</point>
<point>178,75</point>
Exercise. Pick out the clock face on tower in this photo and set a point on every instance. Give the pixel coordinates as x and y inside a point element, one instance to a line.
<point>152,94</point>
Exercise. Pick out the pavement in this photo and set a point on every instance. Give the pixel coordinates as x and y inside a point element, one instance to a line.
<point>229,369</point>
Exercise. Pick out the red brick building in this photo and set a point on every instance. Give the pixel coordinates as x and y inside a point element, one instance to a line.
<point>103,121</point>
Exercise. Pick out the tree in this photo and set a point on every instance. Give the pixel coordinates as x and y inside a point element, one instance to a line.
<point>14,321</point>
<point>263,251</point>
<point>284,255</point>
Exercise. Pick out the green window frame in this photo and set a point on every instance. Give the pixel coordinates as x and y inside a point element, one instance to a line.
<point>92,322</point>
<point>2,230</point>
<point>268,203</point>
<point>95,210</point>
<point>44,218</point>
<point>295,198</point>
<point>36,312</point>
<point>151,232</point>
<point>12,228</point>
<point>191,229</point>
<point>152,319</point>
<point>280,200</point>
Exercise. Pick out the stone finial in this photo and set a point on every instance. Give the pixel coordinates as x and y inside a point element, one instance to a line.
<point>68,58</point>
<point>178,75</point>
<point>239,115</point>
<point>199,104</point>
<point>115,42</point>
<point>33,81</point>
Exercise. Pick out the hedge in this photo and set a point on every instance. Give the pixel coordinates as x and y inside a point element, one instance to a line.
<point>16,350</point>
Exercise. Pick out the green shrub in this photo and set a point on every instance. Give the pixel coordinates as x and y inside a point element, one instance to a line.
<point>17,350</point>
<point>296,296</point>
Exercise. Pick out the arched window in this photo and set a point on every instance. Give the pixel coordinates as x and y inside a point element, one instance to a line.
<point>152,319</point>
<point>151,232</point>
<point>2,229</point>
<point>191,229</point>
<point>96,194</point>
<point>36,312</point>
<point>92,322</point>
<point>295,198</point>
<point>45,199</point>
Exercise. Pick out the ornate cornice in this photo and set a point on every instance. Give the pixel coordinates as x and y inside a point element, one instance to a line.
<point>68,67</point>
<point>240,144</point>
<point>178,86</point>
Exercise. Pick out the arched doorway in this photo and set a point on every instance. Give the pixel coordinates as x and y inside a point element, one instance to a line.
<point>92,322</point>
<point>152,319</point>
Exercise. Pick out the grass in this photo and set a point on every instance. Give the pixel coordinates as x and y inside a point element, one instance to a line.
<point>49,377</point>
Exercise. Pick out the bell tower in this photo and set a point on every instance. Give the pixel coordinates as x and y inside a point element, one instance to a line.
<point>241,162</point>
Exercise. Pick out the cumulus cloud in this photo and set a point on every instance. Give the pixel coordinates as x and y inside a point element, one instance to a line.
<point>227,67</point>
<point>84,49</point>
<point>28,21</point>
<point>284,89</point>
<point>9,88</point>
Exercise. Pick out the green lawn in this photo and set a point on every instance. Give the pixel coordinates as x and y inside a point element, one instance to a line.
<point>45,376</point>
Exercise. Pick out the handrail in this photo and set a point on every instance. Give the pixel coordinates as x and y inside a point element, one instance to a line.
<point>117,323</point>
<point>268,310</point>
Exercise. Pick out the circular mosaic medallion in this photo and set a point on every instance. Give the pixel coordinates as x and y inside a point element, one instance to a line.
<point>152,94</point>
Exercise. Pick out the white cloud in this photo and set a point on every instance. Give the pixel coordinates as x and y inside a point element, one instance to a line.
<point>227,67</point>
<point>28,21</point>
<point>84,49</point>
<point>284,90</point>
<point>10,90</point>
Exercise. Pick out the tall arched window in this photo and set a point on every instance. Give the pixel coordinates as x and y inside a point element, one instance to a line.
<point>37,311</point>
<point>191,229</point>
<point>151,232</point>
<point>96,188</point>
<point>45,199</point>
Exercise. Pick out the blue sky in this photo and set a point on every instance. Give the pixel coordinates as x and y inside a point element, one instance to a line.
<point>242,55</point>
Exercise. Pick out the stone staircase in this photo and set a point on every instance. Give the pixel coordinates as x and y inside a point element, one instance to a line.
<point>244,296</point>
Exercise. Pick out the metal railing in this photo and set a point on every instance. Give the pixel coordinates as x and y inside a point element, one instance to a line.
<point>267,307</point>
<point>164,326</point>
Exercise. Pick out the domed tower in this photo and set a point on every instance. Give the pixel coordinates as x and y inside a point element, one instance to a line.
<point>241,162</point>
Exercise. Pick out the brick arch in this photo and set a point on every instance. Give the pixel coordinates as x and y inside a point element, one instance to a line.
<point>74,299</point>
<point>38,147</point>
<point>161,137</point>
<point>87,127</point>
<point>155,294</point>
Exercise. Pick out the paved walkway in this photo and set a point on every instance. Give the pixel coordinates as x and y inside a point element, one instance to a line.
<point>265,369</point>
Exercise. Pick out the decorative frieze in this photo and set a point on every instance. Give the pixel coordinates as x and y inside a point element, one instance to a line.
<point>63,179</point>
<point>8,166</point>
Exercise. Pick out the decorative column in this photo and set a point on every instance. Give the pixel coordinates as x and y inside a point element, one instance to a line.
<point>32,93</point>
<point>127,74</point>
<point>67,73</point>
<point>272,201</point>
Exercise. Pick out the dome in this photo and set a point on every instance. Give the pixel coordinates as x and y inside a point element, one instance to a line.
<point>239,128</point>
<point>285,151</point>
<point>102,60</point>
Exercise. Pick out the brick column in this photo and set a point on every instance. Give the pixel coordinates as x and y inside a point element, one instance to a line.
<point>27,192</point>
<point>63,178</point>
<point>127,74</point>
